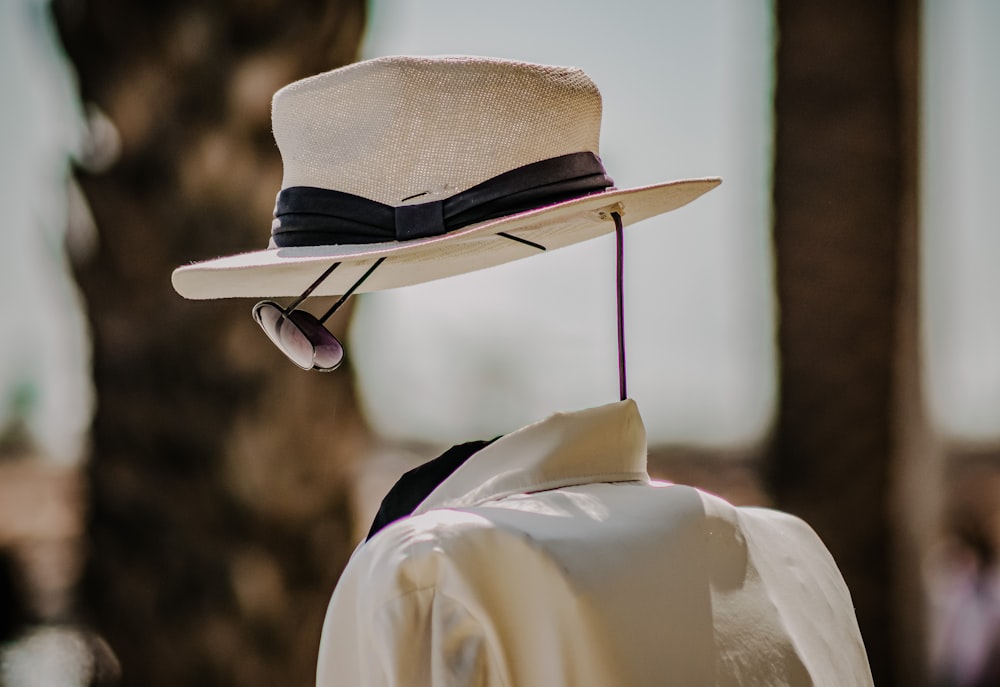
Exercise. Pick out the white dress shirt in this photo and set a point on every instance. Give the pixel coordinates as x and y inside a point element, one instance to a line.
<point>549,558</point>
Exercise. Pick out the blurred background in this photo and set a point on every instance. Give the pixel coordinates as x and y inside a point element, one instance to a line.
<point>819,334</point>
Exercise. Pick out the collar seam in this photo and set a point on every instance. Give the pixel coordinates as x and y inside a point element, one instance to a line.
<point>549,485</point>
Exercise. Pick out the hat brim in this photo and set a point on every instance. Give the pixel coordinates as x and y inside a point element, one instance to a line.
<point>278,272</point>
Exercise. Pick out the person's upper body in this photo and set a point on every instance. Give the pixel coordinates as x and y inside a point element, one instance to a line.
<point>550,558</point>
<point>547,558</point>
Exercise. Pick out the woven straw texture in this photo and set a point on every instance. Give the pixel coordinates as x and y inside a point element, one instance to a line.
<point>460,121</point>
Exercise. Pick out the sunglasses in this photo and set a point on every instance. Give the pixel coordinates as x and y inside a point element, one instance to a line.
<point>300,335</point>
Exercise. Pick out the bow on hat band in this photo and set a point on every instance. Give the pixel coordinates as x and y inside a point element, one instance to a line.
<point>308,216</point>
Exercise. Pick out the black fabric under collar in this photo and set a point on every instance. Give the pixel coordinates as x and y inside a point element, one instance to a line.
<point>308,216</point>
<point>414,486</point>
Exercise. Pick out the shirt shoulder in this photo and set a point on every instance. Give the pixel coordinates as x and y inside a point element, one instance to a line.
<point>798,577</point>
<point>410,554</point>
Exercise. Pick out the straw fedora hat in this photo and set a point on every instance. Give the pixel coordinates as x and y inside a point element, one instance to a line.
<point>437,165</point>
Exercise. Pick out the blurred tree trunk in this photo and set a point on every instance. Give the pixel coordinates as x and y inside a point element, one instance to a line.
<point>218,521</point>
<point>850,413</point>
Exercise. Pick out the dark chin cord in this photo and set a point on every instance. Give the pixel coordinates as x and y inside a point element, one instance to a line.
<point>619,249</point>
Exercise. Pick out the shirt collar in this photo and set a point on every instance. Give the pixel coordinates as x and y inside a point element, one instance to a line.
<point>603,444</point>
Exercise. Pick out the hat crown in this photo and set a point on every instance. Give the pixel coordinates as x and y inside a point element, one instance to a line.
<point>393,128</point>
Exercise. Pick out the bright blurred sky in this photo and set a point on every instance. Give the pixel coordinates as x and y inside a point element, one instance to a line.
<point>960,209</point>
<point>686,90</point>
<point>44,346</point>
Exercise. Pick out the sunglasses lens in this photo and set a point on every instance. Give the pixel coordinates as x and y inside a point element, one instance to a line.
<point>267,314</point>
<point>296,344</point>
<point>326,351</point>
<point>284,332</point>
